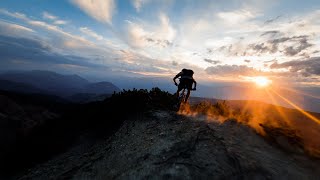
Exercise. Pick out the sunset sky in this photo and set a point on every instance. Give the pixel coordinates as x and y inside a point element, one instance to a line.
<point>221,40</point>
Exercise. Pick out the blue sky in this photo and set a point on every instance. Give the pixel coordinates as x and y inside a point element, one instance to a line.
<point>220,40</point>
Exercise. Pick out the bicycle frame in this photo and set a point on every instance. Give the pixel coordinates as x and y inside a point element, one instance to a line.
<point>181,99</point>
<point>182,96</point>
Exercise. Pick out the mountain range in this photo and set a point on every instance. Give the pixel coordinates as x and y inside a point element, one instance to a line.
<point>47,82</point>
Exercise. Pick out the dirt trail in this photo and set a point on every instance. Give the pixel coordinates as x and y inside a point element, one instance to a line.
<point>162,145</point>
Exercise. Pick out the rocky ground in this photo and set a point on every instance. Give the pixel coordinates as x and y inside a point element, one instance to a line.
<point>165,145</point>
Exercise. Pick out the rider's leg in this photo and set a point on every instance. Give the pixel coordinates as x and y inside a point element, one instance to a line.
<point>189,83</point>
<point>180,87</point>
<point>178,92</point>
<point>188,94</point>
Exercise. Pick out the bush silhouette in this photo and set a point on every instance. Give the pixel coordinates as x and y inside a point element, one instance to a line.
<point>140,100</point>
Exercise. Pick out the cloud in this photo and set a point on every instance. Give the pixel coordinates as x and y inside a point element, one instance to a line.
<point>15,30</point>
<point>15,14</point>
<point>272,20</point>
<point>91,33</point>
<point>232,70</point>
<point>298,44</point>
<point>101,10</point>
<point>257,35</point>
<point>227,48</point>
<point>272,33</point>
<point>60,48</point>
<point>226,30</point>
<point>62,42</point>
<point>137,4</point>
<point>150,66</point>
<point>212,61</point>
<point>289,46</point>
<point>307,67</point>
<point>235,17</point>
<point>161,35</point>
<point>63,35</point>
<point>260,48</point>
<point>49,16</point>
<point>174,63</point>
<point>137,36</point>
<point>53,18</point>
<point>60,22</point>
<point>62,39</point>
<point>302,45</point>
<point>36,53</point>
<point>166,30</point>
<point>41,24</point>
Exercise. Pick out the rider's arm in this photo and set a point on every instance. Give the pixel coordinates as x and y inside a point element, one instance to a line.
<point>195,84</point>
<point>174,79</point>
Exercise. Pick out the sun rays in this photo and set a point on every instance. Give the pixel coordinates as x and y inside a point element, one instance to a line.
<point>307,114</point>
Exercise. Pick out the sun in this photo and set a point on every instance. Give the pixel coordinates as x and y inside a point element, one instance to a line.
<point>261,81</point>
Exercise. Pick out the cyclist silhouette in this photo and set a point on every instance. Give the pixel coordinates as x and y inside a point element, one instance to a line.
<point>186,81</point>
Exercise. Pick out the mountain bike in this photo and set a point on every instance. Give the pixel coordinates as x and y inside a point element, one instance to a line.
<point>181,99</point>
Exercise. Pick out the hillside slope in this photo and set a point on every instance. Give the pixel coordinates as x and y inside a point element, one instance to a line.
<point>163,144</point>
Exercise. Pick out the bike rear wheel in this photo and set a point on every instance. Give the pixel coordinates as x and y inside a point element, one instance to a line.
<point>181,100</point>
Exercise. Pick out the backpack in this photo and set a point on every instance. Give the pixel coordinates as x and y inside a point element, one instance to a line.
<point>187,72</point>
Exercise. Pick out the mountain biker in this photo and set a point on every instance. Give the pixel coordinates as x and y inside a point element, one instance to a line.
<point>186,81</point>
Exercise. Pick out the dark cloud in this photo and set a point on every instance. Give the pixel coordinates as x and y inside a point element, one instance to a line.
<point>226,48</point>
<point>247,61</point>
<point>272,20</point>
<point>302,45</point>
<point>307,67</point>
<point>212,61</point>
<point>23,43</point>
<point>259,48</point>
<point>231,70</point>
<point>150,40</point>
<point>159,42</point>
<point>306,55</point>
<point>297,45</point>
<point>272,33</point>
<point>174,63</point>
